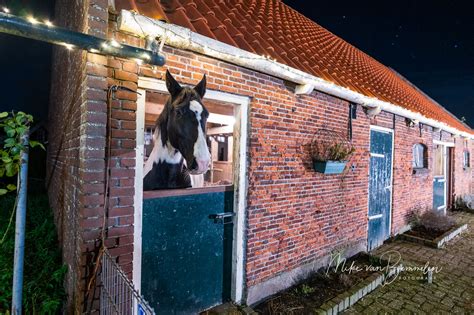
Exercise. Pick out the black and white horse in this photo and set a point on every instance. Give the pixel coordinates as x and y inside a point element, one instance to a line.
<point>180,149</point>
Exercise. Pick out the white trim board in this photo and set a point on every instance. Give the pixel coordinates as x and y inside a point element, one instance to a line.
<point>382,129</point>
<point>243,102</point>
<point>138,197</point>
<point>445,143</point>
<point>183,38</point>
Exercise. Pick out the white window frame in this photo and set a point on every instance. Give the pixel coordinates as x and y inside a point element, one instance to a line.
<point>240,185</point>
<point>466,159</point>
<point>445,146</point>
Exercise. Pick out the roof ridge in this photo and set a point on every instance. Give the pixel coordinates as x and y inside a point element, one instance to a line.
<point>300,43</point>
<point>427,96</point>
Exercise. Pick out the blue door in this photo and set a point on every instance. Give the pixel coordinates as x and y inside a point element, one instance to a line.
<point>439,177</point>
<point>380,186</point>
<point>187,251</point>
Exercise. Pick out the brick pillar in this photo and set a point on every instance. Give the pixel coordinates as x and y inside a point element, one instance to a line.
<point>92,155</point>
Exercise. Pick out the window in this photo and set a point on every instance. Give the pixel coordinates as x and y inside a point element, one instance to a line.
<point>438,160</point>
<point>420,156</point>
<point>466,159</point>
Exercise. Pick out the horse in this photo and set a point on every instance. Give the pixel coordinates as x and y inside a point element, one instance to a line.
<point>179,141</point>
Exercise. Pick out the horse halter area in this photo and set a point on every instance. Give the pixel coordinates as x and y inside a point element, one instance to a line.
<point>188,253</point>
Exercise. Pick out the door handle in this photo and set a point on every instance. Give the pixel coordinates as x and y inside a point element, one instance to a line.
<point>224,218</point>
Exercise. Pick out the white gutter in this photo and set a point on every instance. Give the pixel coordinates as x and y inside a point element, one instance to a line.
<point>183,38</point>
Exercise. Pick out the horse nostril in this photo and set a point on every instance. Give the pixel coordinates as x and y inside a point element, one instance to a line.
<point>194,165</point>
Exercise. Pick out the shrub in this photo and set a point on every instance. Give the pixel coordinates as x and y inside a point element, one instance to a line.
<point>43,291</point>
<point>432,220</point>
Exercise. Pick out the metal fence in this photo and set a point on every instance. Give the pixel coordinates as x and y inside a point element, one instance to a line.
<point>117,294</point>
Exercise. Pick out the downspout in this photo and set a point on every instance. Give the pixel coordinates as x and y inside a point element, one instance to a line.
<point>18,261</point>
<point>180,37</point>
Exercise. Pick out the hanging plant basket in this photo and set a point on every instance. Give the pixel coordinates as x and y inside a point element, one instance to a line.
<point>330,151</point>
<point>329,167</point>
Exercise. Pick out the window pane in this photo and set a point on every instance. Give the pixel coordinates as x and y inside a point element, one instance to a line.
<point>418,156</point>
<point>438,161</point>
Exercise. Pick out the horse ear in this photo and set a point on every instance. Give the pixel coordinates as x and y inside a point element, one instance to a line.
<point>172,85</point>
<point>200,88</point>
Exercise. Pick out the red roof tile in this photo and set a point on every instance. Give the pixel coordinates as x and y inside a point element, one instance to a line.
<point>269,27</point>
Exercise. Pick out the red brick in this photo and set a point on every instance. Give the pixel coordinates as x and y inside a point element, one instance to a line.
<point>126,76</point>
<point>130,67</point>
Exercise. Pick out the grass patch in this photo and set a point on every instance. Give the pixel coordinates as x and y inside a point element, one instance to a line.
<point>43,291</point>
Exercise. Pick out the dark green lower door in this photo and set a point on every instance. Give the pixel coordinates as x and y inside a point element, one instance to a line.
<point>187,251</point>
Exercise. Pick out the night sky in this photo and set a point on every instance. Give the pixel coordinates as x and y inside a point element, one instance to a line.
<point>26,64</point>
<point>431,43</point>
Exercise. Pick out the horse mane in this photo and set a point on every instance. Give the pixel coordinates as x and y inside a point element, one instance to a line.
<point>162,122</point>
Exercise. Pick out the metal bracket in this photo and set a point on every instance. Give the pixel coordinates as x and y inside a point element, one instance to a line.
<point>223,218</point>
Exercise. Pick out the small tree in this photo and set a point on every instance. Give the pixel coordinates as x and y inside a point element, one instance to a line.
<point>14,126</point>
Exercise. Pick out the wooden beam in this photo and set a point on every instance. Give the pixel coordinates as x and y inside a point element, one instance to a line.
<point>220,130</point>
<point>304,89</point>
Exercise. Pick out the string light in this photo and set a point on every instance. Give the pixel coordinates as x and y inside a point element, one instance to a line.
<point>6,10</point>
<point>68,46</point>
<point>146,56</point>
<point>48,23</point>
<point>32,20</point>
<point>114,43</point>
<point>105,45</point>
<point>92,50</point>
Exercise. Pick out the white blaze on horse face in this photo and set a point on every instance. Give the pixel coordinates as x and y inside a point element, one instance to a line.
<point>201,151</point>
<point>161,153</point>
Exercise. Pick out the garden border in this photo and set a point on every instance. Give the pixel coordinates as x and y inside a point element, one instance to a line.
<point>439,241</point>
<point>346,299</point>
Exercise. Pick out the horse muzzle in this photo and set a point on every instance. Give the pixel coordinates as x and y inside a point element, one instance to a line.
<point>199,167</point>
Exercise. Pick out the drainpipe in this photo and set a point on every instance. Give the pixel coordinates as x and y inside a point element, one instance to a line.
<point>11,24</point>
<point>20,229</point>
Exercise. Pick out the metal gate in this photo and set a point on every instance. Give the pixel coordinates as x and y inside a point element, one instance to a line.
<point>117,294</point>
<point>380,186</point>
<point>187,250</point>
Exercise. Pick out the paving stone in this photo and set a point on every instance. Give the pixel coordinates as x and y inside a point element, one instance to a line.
<point>452,290</point>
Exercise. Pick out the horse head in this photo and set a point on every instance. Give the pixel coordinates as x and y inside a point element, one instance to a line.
<point>185,126</point>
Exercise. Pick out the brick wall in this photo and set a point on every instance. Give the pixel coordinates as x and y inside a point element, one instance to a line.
<point>463,177</point>
<point>77,118</point>
<point>64,148</point>
<point>294,214</point>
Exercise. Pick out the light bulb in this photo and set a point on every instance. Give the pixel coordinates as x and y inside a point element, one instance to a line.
<point>114,43</point>
<point>32,20</point>
<point>68,46</point>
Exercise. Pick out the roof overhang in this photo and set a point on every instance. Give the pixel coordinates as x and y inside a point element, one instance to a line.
<point>183,38</point>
